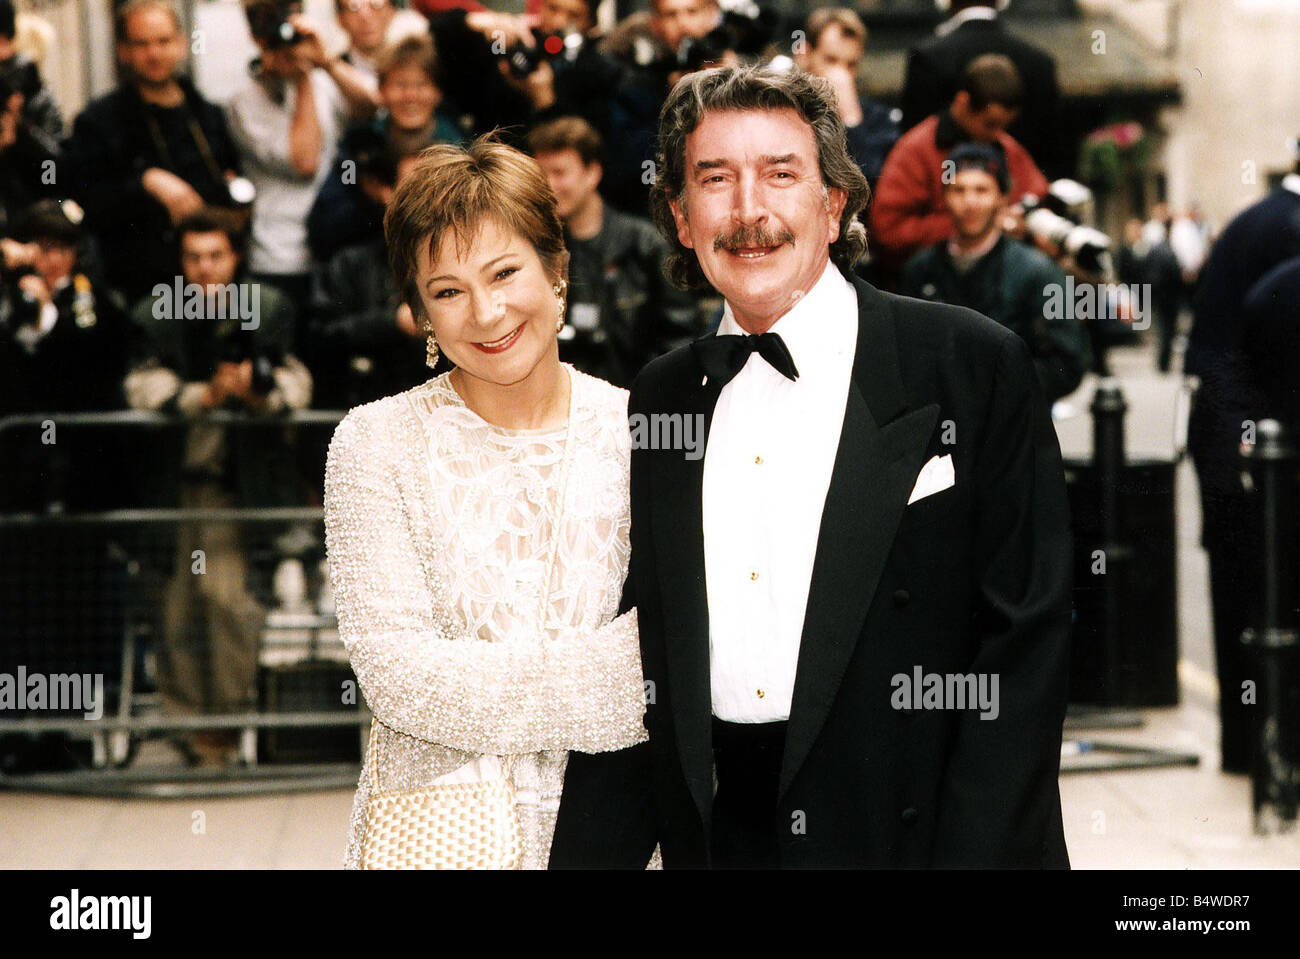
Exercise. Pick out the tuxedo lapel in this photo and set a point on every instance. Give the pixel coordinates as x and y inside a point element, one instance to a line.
<point>678,531</point>
<point>881,449</point>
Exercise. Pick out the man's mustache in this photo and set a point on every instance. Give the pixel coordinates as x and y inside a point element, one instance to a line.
<point>749,237</point>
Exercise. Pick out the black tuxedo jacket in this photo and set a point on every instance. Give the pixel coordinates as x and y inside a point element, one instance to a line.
<point>973,579</point>
<point>934,69</point>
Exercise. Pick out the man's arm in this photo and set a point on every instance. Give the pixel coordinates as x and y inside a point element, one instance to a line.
<point>607,817</point>
<point>999,804</point>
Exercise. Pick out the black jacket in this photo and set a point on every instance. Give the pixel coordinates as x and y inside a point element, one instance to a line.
<point>616,279</point>
<point>111,146</point>
<point>972,579</point>
<point>934,69</point>
<point>1010,284</point>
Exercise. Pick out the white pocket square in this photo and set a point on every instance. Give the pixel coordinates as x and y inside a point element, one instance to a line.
<point>935,476</point>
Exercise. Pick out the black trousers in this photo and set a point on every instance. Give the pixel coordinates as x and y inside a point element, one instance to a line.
<point>747,759</point>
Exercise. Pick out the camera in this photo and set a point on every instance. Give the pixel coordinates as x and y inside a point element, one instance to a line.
<point>1056,219</point>
<point>523,61</point>
<point>235,345</point>
<point>269,24</point>
<point>745,29</point>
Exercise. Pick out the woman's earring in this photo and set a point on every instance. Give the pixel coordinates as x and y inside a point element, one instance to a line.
<point>559,289</point>
<point>431,352</point>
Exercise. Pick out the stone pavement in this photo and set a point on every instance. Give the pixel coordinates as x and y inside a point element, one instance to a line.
<point>1172,818</point>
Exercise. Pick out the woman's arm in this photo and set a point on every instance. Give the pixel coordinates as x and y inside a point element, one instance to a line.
<point>581,693</point>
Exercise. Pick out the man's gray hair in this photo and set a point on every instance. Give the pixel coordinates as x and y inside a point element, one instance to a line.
<point>753,88</point>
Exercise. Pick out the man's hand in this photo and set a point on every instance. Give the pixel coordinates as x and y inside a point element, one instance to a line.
<point>35,287</point>
<point>9,120</point>
<point>172,192</point>
<point>846,94</point>
<point>17,255</point>
<point>310,48</point>
<point>505,27</point>
<point>538,86</point>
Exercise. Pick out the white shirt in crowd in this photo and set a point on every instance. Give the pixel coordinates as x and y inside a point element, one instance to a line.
<point>767,467</point>
<point>277,241</point>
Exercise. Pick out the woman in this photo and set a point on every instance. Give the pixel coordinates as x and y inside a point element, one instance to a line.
<point>477,525</point>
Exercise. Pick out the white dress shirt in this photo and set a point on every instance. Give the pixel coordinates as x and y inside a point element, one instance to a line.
<point>767,467</point>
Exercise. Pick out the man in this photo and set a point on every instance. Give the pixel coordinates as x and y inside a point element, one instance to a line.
<point>370,26</point>
<point>286,121</point>
<point>62,349</point>
<point>788,595</point>
<point>1227,402</point>
<point>622,310</point>
<point>836,39</point>
<point>647,45</point>
<point>222,343</point>
<point>997,275</point>
<point>1147,260</point>
<point>31,126</point>
<point>974,29</point>
<point>909,213</point>
<point>368,344</point>
<point>148,154</point>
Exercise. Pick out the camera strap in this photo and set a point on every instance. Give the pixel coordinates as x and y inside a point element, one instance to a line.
<point>196,133</point>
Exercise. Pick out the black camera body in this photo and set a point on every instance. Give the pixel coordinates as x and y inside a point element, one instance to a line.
<point>523,61</point>
<point>269,23</point>
<point>236,344</point>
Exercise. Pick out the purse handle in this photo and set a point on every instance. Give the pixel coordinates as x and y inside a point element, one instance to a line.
<point>553,553</point>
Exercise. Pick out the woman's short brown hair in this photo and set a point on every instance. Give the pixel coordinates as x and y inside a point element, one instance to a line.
<point>458,189</point>
<point>416,52</point>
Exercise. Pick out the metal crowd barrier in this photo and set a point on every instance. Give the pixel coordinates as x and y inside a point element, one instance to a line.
<point>303,638</point>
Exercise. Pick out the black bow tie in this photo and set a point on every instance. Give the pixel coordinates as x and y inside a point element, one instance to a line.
<point>723,356</point>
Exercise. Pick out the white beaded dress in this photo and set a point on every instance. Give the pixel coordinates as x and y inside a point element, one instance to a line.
<point>439,528</point>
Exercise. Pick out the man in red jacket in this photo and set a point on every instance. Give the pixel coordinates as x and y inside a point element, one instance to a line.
<point>909,213</point>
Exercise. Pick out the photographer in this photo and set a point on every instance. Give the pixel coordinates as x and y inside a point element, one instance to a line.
<point>219,342</point>
<point>994,274</point>
<point>31,127</point>
<point>62,349</point>
<point>286,122</point>
<point>149,153</point>
<point>656,49</point>
<point>349,208</point>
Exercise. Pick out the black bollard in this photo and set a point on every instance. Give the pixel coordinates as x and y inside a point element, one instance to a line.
<point>1108,409</point>
<point>1275,774</point>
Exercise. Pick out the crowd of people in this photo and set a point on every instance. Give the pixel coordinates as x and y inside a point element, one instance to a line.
<point>163,252</point>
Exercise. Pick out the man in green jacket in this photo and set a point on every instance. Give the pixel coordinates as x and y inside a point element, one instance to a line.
<point>997,275</point>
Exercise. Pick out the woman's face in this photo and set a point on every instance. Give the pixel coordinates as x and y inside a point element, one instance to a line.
<point>491,304</point>
<point>410,96</point>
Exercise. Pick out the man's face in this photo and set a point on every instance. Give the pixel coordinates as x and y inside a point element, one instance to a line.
<point>986,125</point>
<point>208,260</point>
<point>366,23</point>
<point>54,260</point>
<point>675,20</point>
<point>572,181</point>
<point>152,48</point>
<point>559,16</point>
<point>974,199</point>
<point>835,49</point>
<point>410,96</point>
<point>755,210</point>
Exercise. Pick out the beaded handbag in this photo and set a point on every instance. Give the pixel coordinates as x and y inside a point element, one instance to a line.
<point>468,825</point>
<point>471,825</point>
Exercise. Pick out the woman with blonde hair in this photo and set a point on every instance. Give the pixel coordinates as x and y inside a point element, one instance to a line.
<point>477,528</point>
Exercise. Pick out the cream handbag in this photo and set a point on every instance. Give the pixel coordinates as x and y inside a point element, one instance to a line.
<point>462,825</point>
<point>467,825</point>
